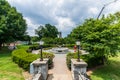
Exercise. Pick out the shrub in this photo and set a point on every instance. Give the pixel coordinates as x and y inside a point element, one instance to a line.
<point>23,59</point>
<point>70,45</point>
<point>68,59</point>
<point>23,47</point>
<point>37,46</point>
<point>34,47</point>
<point>91,60</point>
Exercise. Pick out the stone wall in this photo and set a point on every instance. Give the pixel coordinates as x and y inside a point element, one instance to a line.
<point>39,68</point>
<point>78,68</point>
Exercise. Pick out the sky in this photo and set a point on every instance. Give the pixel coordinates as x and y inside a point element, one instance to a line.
<point>64,14</point>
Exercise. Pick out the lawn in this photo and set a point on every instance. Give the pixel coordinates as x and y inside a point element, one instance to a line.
<point>8,69</point>
<point>110,71</point>
<point>11,71</point>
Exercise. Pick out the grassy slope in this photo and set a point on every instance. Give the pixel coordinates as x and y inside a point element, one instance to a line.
<point>8,69</point>
<point>108,72</point>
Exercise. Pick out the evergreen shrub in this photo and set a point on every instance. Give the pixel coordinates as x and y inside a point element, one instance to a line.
<point>23,59</point>
<point>91,60</point>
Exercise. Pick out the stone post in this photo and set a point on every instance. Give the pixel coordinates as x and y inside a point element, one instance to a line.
<point>39,67</point>
<point>77,67</point>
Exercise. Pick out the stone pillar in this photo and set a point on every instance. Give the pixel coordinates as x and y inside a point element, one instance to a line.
<point>41,67</point>
<point>77,67</point>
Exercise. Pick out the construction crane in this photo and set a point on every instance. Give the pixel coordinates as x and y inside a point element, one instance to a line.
<point>104,7</point>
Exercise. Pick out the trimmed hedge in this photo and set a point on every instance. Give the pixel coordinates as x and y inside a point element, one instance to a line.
<point>37,46</point>
<point>34,47</point>
<point>23,59</point>
<point>91,60</point>
<point>69,45</point>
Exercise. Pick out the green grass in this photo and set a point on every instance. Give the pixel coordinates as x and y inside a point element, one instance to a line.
<point>8,69</point>
<point>109,71</point>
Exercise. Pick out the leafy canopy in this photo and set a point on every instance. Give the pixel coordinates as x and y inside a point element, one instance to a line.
<point>47,31</point>
<point>12,24</point>
<point>101,37</point>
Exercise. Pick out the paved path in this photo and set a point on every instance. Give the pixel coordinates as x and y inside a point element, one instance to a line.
<point>60,70</point>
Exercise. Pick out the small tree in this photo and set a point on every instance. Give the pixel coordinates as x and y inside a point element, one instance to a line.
<point>100,37</point>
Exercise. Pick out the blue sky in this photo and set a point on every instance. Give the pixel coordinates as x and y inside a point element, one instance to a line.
<point>64,14</point>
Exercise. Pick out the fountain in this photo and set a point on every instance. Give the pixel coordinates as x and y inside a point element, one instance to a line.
<point>60,50</point>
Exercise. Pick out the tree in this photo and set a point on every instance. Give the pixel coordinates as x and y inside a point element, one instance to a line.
<point>101,37</point>
<point>12,24</point>
<point>35,38</point>
<point>47,31</point>
<point>69,40</point>
<point>26,38</point>
<point>40,31</point>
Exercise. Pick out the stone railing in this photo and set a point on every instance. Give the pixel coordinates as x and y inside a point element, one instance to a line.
<point>37,77</point>
<point>78,69</point>
<point>82,76</point>
<point>39,69</point>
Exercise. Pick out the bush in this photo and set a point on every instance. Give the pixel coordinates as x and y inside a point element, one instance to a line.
<point>23,59</point>
<point>91,60</point>
<point>34,47</point>
<point>37,46</point>
<point>68,59</point>
<point>70,45</point>
<point>25,47</point>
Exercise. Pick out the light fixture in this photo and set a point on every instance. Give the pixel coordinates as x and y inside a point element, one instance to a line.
<point>41,44</point>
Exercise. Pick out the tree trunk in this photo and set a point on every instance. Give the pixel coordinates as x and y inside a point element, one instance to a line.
<point>103,60</point>
<point>0,45</point>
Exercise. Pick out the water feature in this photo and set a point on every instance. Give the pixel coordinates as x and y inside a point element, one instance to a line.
<point>60,50</point>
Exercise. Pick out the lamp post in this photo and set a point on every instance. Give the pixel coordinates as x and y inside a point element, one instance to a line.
<point>41,56</point>
<point>78,45</point>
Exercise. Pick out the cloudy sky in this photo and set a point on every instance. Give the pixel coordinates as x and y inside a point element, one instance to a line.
<point>64,14</point>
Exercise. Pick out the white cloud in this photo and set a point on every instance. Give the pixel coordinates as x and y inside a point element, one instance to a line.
<point>65,14</point>
<point>65,24</point>
<point>93,10</point>
<point>31,26</point>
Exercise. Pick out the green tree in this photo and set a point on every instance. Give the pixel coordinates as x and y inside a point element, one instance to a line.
<point>12,24</point>
<point>47,31</point>
<point>26,38</point>
<point>48,40</point>
<point>59,41</point>
<point>35,38</point>
<point>40,31</point>
<point>69,40</point>
<point>101,37</point>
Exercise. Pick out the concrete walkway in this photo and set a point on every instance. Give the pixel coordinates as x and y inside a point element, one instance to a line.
<point>60,70</point>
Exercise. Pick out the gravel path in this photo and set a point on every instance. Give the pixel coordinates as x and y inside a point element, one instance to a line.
<point>60,70</point>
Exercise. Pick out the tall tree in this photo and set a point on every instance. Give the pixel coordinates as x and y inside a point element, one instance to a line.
<point>12,24</point>
<point>26,38</point>
<point>34,38</point>
<point>40,31</point>
<point>101,37</point>
<point>47,31</point>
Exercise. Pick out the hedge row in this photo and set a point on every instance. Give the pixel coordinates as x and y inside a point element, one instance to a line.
<point>37,46</point>
<point>23,59</point>
<point>91,60</point>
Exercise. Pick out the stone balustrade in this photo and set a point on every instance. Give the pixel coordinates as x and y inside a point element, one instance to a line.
<point>77,67</point>
<point>39,69</point>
